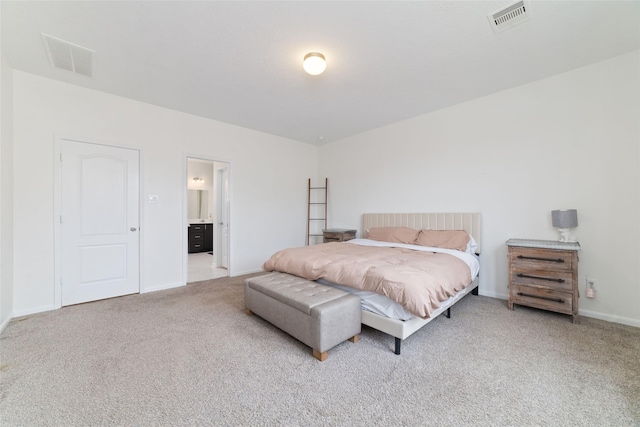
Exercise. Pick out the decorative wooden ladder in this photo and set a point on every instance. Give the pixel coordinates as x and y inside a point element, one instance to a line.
<point>318,213</point>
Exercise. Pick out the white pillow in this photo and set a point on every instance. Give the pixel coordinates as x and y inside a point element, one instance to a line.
<point>472,246</point>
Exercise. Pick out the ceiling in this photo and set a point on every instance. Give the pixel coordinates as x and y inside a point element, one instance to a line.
<point>241,62</point>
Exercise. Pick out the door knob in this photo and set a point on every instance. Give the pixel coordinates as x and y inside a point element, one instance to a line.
<point>133,229</point>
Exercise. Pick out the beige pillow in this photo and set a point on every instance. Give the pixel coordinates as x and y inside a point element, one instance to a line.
<point>393,234</point>
<point>448,239</point>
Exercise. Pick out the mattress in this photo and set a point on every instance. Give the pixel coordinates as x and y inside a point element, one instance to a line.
<point>375,303</point>
<point>383,306</point>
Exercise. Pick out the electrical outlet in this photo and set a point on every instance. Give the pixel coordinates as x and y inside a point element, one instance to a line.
<point>591,287</point>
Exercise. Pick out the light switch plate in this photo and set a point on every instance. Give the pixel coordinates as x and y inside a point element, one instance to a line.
<point>153,198</point>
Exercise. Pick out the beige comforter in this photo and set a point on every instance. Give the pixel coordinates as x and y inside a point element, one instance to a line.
<point>417,280</point>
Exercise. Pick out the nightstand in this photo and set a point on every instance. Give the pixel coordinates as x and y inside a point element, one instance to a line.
<point>337,235</point>
<point>544,274</point>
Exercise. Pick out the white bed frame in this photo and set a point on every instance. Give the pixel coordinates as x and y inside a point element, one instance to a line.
<point>471,222</point>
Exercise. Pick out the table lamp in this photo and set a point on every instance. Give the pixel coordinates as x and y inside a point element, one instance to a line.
<point>564,221</point>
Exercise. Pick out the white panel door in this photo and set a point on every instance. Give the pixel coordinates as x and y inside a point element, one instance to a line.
<point>99,222</point>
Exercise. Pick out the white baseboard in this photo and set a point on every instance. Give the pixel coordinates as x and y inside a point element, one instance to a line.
<point>161,287</point>
<point>33,310</point>
<point>6,322</point>
<point>610,318</point>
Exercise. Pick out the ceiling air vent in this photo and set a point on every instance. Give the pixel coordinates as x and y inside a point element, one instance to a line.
<point>506,18</point>
<point>68,56</point>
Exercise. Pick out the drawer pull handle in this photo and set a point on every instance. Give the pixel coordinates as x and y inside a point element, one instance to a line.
<point>551,279</point>
<point>522,294</point>
<point>560,260</point>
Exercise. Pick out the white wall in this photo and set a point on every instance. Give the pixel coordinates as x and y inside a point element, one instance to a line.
<point>6,193</point>
<point>268,181</point>
<point>570,141</point>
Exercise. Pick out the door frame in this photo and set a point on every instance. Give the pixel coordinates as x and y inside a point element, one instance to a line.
<point>220,206</point>
<point>185,213</point>
<point>57,211</point>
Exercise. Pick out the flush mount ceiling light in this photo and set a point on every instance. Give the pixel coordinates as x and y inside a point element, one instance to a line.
<point>314,63</point>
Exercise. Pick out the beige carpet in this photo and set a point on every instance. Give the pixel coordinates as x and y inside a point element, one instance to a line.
<point>191,356</point>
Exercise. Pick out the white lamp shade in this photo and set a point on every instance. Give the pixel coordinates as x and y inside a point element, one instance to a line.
<point>314,63</point>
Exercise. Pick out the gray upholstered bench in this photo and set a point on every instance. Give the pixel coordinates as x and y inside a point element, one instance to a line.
<point>320,316</point>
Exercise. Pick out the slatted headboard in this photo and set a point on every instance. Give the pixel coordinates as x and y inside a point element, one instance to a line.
<point>470,222</point>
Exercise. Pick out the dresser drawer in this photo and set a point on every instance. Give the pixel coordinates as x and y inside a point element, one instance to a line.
<point>196,246</point>
<point>556,280</point>
<point>541,259</point>
<point>546,299</point>
<point>197,227</point>
<point>196,235</point>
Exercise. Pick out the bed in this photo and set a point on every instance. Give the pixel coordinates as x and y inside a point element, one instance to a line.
<point>393,318</point>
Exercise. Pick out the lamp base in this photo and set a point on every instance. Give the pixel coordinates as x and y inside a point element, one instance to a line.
<point>565,235</point>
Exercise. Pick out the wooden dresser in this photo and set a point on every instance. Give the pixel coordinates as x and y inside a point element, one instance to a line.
<point>544,274</point>
<point>337,235</point>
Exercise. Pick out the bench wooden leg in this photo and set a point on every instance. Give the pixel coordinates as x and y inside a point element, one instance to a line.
<point>355,338</point>
<point>320,356</point>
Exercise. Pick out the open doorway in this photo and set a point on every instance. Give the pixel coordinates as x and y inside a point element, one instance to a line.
<point>207,215</point>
